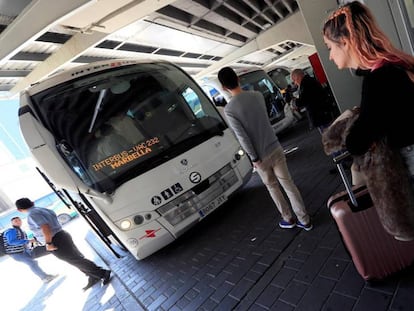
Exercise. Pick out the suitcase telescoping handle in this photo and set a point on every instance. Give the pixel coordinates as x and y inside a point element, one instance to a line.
<point>338,161</point>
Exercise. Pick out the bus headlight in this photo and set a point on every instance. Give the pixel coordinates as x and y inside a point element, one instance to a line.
<point>126,224</point>
<point>239,154</point>
<point>133,221</point>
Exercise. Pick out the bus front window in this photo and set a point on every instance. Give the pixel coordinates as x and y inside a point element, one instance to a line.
<point>123,122</point>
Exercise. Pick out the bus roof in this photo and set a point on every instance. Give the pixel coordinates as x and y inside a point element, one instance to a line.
<point>83,70</point>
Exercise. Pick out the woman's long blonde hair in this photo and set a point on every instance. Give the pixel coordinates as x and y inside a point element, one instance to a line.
<point>356,23</point>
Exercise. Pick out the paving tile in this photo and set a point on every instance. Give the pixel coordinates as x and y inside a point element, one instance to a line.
<point>257,308</point>
<point>269,296</point>
<point>221,292</point>
<point>227,304</point>
<point>147,293</point>
<point>283,277</point>
<point>298,255</point>
<point>208,305</point>
<point>316,294</point>
<point>388,285</point>
<point>259,267</point>
<point>178,294</point>
<point>294,264</point>
<point>350,283</point>
<point>182,302</point>
<point>341,252</point>
<point>238,272</point>
<point>332,238</point>
<point>333,268</point>
<point>252,276</point>
<point>218,264</point>
<point>269,257</point>
<point>404,295</point>
<point>372,300</point>
<point>307,244</point>
<point>313,265</point>
<point>282,306</point>
<point>338,302</point>
<point>219,280</point>
<point>197,301</point>
<point>293,293</point>
<point>240,289</point>
<point>156,303</point>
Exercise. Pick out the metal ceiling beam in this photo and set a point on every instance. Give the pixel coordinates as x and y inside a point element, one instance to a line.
<point>201,13</point>
<point>275,10</point>
<point>13,73</point>
<point>258,11</point>
<point>288,6</point>
<point>6,87</point>
<point>32,22</point>
<point>80,42</point>
<point>280,32</point>
<point>239,10</point>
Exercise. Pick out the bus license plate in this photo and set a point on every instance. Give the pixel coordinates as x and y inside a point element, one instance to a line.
<point>213,205</point>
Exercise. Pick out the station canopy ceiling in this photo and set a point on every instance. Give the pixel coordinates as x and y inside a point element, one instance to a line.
<point>42,37</point>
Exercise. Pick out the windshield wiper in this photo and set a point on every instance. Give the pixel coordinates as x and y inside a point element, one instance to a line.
<point>97,108</point>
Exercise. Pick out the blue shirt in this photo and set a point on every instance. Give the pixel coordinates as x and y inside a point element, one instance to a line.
<point>39,216</point>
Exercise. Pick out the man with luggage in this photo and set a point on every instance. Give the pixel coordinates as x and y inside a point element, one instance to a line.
<point>17,247</point>
<point>247,116</point>
<point>314,98</point>
<point>44,222</point>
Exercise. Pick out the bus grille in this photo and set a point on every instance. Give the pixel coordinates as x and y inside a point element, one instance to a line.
<point>189,203</point>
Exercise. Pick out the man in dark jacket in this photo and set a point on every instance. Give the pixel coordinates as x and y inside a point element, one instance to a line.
<point>314,98</point>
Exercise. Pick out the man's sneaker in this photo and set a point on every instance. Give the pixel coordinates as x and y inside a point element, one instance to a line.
<point>286,224</point>
<point>107,277</point>
<point>306,227</point>
<point>49,278</point>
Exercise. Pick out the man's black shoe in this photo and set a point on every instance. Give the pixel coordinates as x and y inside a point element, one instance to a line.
<point>107,277</point>
<point>91,282</point>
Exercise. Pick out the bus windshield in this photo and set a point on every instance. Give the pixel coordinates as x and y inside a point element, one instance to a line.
<point>115,125</point>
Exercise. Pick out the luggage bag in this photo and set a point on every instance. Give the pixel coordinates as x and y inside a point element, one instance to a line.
<point>374,252</point>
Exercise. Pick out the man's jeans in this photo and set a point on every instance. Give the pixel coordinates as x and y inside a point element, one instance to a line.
<point>25,258</point>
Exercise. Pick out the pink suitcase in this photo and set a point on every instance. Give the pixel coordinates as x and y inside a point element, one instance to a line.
<point>375,253</point>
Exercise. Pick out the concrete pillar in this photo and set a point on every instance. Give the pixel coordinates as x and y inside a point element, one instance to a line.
<point>346,87</point>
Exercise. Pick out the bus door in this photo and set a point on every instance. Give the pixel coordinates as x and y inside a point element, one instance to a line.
<point>87,211</point>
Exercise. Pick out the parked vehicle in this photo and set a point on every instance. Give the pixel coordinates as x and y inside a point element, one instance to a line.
<point>51,201</point>
<point>280,114</point>
<point>141,146</point>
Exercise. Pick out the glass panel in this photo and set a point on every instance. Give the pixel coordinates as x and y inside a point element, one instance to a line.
<point>260,81</point>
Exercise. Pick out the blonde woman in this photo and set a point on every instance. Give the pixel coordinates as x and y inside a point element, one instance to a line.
<point>355,41</point>
<point>383,130</point>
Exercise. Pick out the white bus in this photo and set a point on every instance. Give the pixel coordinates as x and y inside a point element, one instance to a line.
<point>254,78</point>
<point>140,142</point>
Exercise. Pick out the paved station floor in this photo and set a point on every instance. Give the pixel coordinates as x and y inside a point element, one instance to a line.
<point>236,259</point>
